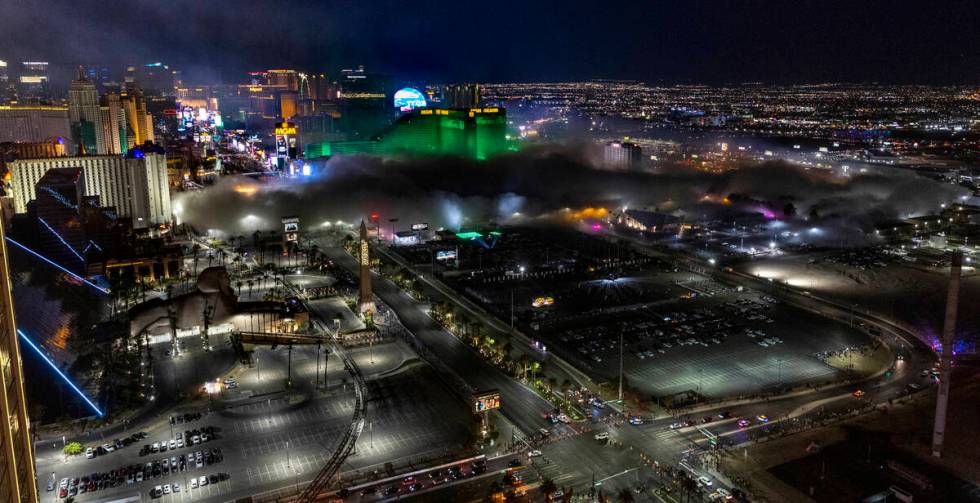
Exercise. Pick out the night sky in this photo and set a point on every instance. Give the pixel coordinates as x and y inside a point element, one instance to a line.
<point>683,41</point>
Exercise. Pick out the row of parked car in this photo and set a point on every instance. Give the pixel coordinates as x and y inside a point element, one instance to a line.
<point>187,438</point>
<point>186,417</point>
<point>201,481</point>
<point>136,473</point>
<point>106,448</point>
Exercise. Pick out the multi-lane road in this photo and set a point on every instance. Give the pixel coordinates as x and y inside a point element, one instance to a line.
<point>270,441</point>
<point>521,405</point>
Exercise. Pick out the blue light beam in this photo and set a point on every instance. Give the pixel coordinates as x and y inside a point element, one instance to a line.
<point>60,268</point>
<point>70,247</point>
<point>58,371</point>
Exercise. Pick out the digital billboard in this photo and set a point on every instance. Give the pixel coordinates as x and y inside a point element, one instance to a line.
<point>486,401</point>
<point>446,255</point>
<point>290,224</point>
<point>408,98</point>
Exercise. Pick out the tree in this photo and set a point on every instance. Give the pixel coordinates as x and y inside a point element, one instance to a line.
<point>548,487</point>
<point>688,484</point>
<point>624,496</point>
<point>566,385</point>
<point>72,449</point>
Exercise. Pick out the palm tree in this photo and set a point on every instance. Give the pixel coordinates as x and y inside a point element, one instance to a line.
<point>624,496</point>
<point>194,249</point>
<point>548,487</point>
<point>688,484</point>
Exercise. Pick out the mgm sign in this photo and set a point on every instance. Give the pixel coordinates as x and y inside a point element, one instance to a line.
<point>290,229</point>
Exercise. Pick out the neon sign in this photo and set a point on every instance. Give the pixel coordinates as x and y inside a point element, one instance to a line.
<point>406,99</point>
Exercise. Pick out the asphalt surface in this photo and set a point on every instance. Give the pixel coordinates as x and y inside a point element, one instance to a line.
<point>518,403</point>
<point>270,438</point>
<point>274,440</point>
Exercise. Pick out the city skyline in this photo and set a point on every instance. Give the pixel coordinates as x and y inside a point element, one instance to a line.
<point>697,42</point>
<point>576,252</point>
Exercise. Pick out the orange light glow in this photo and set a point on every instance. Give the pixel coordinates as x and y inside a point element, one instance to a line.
<point>248,190</point>
<point>588,214</point>
<point>60,339</point>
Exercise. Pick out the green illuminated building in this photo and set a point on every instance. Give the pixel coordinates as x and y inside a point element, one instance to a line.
<point>476,133</point>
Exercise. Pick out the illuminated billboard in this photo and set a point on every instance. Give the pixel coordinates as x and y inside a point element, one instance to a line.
<point>407,98</point>
<point>486,401</point>
<point>285,129</point>
<point>446,255</point>
<point>290,224</point>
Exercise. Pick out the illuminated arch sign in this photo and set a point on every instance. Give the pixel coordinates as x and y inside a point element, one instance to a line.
<point>408,98</point>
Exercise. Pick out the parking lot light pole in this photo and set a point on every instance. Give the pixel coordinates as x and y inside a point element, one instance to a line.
<point>620,366</point>
<point>316,384</point>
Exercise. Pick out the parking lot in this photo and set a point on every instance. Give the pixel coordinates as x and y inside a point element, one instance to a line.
<point>263,441</point>
<point>727,344</point>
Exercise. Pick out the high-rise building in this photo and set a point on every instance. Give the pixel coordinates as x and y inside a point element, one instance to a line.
<point>364,102</point>
<point>622,155</point>
<point>155,79</point>
<point>140,122</point>
<point>85,115</point>
<point>114,125</point>
<point>288,79</point>
<point>35,150</point>
<point>57,210</point>
<point>318,87</point>
<point>99,75</point>
<point>18,482</point>
<point>461,95</point>
<point>6,87</point>
<point>477,133</point>
<point>33,123</point>
<point>288,105</point>
<point>136,185</point>
<point>32,84</point>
